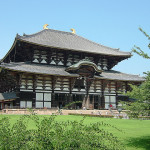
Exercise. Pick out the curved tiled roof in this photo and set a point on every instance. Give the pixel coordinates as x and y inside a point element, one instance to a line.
<point>60,71</point>
<point>36,68</point>
<point>116,75</point>
<point>70,41</point>
<point>84,62</point>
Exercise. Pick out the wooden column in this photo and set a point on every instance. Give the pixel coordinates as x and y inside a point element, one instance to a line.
<point>116,90</point>
<point>35,78</point>
<point>65,58</point>
<point>71,86</point>
<point>54,80</point>
<point>18,79</point>
<point>102,98</point>
<point>2,104</point>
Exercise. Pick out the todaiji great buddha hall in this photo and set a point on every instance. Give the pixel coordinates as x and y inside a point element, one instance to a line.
<point>50,69</point>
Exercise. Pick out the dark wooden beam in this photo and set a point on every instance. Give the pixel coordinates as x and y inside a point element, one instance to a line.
<point>103,98</point>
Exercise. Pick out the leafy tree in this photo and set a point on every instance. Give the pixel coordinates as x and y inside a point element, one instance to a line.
<point>138,50</point>
<point>141,93</point>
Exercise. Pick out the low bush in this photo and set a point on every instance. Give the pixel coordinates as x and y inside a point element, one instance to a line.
<point>53,135</point>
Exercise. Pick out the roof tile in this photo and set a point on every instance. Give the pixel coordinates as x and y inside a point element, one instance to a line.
<point>67,40</point>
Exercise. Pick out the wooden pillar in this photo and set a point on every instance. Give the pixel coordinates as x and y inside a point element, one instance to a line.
<point>54,80</point>
<point>65,58</point>
<point>35,78</point>
<point>116,90</point>
<point>49,56</point>
<point>2,104</point>
<point>18,79</point>
<point>93,101</point>
<point>102,98</point>
<point>99,102</point>
<point>86,102</point>
<point>71,86</point>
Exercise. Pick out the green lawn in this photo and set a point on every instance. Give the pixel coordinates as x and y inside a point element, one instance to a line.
<point>135,133</point>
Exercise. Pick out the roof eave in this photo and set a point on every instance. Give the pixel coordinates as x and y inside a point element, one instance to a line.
<point>126,56</point>
<point>14,44</point>
<point>21,71</point>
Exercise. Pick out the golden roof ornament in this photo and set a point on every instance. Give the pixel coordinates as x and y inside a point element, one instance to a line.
<point>45,26</point>
<point>73,31</point>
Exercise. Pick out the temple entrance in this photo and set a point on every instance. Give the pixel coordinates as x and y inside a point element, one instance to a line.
<point>95,100</point>
<point>61,100</point>
<point>86,70</point>
<point>78,98</point>
<point>92,102</point>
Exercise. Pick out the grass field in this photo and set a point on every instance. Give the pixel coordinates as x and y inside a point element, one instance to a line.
<point>135,133</point>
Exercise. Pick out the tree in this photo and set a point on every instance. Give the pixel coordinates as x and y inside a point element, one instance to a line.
<point>141,93</point>
<point>138,50</point>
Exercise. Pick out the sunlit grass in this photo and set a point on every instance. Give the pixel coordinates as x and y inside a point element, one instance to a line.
<point>135,134</point>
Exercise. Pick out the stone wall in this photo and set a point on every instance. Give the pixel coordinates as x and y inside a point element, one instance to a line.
<point>55,111</point>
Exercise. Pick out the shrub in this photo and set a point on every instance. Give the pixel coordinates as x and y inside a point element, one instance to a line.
<point>54,135</point>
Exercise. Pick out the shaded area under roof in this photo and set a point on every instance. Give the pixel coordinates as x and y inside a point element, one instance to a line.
<point>60,71</point>
<point>69,41</point>
<point>8,96</point>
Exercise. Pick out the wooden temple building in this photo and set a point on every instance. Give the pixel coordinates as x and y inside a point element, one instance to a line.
<point>51,68</point>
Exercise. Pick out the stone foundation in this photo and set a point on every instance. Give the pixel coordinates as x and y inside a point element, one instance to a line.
<point>55,111</point>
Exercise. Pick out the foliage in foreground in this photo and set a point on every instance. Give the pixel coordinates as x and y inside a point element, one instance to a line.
<point>53,135</point>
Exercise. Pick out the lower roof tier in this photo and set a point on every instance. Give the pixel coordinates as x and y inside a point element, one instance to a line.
<point>61,71</point>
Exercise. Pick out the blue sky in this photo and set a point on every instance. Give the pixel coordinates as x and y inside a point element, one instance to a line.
<point>112,23</point>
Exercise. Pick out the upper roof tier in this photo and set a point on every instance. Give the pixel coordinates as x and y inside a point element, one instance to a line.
<point>69,41</point>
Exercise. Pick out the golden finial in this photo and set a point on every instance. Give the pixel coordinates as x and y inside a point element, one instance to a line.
<point>45,26</point>
<point>73,31</point>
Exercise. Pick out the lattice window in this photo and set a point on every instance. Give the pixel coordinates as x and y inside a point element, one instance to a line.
<point>43,100</point>
<point>110,100</point>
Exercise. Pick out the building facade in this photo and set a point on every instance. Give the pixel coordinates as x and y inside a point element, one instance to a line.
<point>51,69</point>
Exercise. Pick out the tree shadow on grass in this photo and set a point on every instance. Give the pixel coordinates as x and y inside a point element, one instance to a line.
<point>141,142</point>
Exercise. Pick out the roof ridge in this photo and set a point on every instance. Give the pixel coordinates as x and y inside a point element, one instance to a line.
<point>65,32</point>
<point>64,35</point>
<point>45,30</point>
